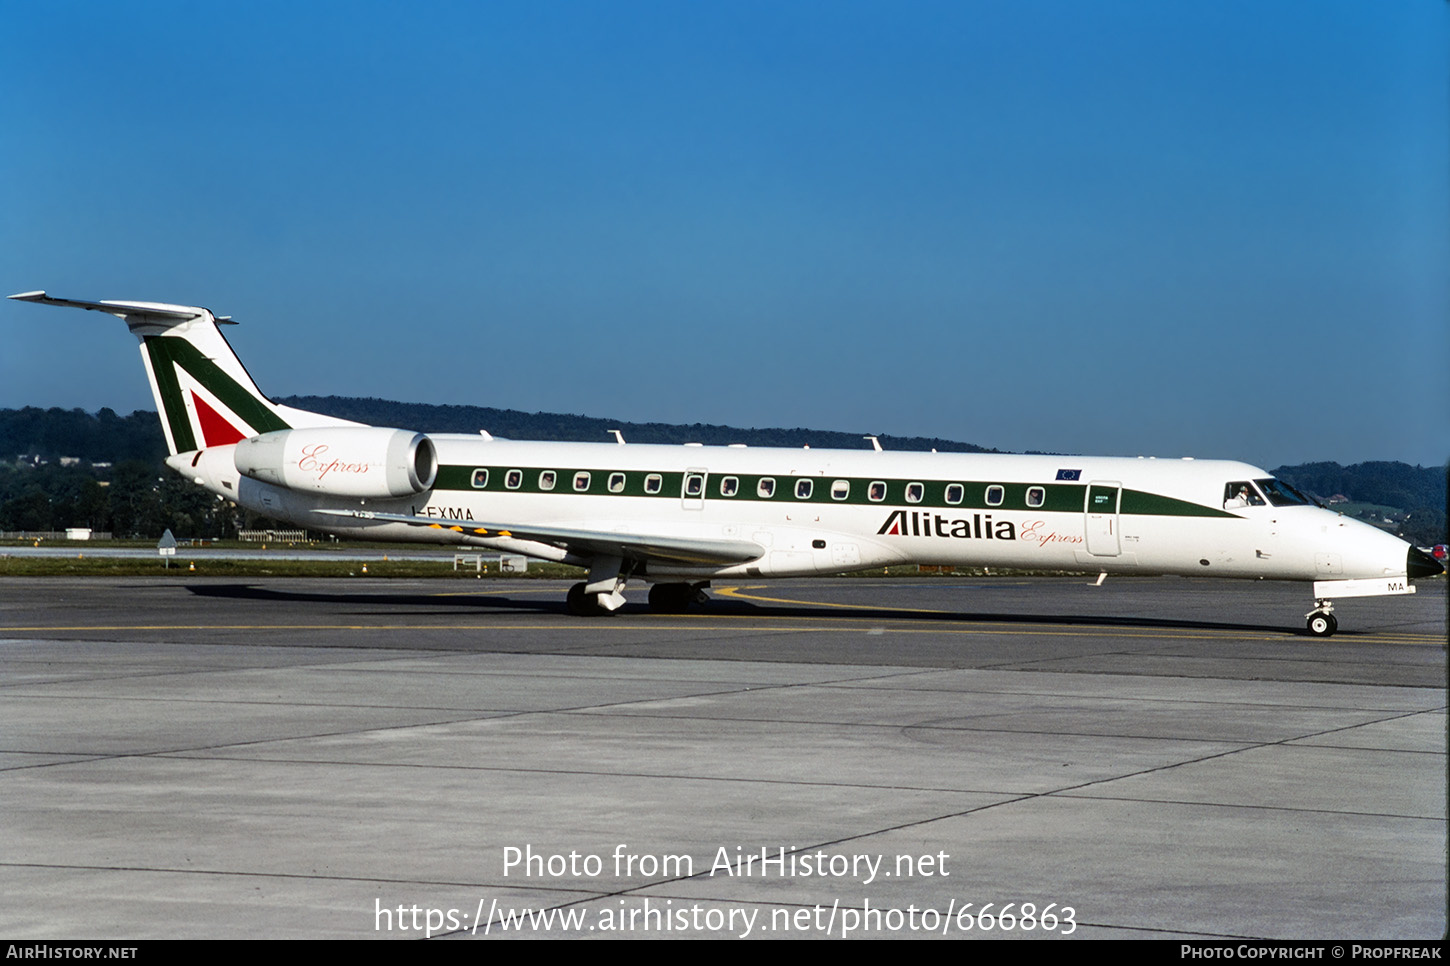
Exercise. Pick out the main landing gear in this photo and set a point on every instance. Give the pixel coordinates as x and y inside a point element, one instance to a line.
<point>603,592</point>
<point>1322,622</point>
<point>583,601</point>
<point>676,598</point>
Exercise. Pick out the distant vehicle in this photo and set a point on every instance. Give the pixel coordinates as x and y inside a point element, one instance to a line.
<point>1441,552</point>
<point>679,516</point>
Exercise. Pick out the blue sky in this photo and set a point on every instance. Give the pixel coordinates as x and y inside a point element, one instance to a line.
<point>1122,227</point>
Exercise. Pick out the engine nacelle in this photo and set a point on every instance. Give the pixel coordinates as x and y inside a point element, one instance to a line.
<point>351,461</point>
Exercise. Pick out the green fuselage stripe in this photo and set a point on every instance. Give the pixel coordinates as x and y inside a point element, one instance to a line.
<point>1056,497</point>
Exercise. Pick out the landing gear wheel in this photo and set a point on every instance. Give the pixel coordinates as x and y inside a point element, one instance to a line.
<point>581,604</point>
<point>1322,625</point>
<point>671,598</point>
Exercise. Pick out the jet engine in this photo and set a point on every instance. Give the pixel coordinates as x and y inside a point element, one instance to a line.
<point>350,461</point>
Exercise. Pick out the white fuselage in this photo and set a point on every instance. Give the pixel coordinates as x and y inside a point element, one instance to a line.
<point>833,511</point>
<point>678,516</point>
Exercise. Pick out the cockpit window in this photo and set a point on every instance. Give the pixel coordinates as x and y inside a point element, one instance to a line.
<point>1241,493</point>
<point>1282,494</point>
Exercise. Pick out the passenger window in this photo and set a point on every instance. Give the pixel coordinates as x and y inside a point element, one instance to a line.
<point>616,482</point>
<point>1036,496</point>
<point>513,479</point>
<point>653,483</point>
<point>803,489</point>
<point>694,485</point>
<point>729,485</point>
<point>546,480</point>
<point>955,493</point>
<point>840,489</point>
<point>995,495</point>
<point>581,481</point>
<point>876,492</point>
<point>480,479</point>
<point>765,489</point>
<point>914,492</point>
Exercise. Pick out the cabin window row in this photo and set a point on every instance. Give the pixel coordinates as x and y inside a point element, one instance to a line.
<point>994,495</point>
<point>765,489</point>
<point>549,479</point>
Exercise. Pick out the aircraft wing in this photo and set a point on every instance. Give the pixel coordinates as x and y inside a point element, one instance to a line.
<point>697,551</point>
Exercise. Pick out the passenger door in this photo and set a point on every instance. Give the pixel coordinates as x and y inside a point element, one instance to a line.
<point>1102,518</point>
<point>692,488</point>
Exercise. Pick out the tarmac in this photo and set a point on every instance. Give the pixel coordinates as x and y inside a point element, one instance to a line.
<point>184,756</point>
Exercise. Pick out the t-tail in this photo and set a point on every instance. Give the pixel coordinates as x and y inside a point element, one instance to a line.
<point>204,394</point>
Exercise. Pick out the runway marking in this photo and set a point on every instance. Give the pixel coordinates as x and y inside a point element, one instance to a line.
<point>735,592</point>
<point>494,593</point>
<point>594,626</point>
<point>832,624</point>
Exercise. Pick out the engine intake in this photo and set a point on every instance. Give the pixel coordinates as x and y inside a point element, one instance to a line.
<point>350,461</point>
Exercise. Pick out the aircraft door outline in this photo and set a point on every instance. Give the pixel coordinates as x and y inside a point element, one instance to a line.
<point>1101,518</point>
<point>692,488</point>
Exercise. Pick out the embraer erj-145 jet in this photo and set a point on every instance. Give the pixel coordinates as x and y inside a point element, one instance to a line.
<point>680,516</point>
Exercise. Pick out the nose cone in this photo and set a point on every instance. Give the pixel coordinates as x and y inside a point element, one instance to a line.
<point>1421,564</point>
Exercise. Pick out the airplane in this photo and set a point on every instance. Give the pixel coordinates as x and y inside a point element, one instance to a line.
<point>678,517</point>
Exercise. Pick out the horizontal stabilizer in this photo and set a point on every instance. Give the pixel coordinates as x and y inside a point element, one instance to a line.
<point>204,394</point>
<point>154,312</point>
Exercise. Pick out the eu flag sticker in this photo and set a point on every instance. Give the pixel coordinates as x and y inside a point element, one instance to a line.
<point>1069,474</point>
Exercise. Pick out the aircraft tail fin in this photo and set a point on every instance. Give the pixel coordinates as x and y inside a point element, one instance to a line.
<point>204,394</point>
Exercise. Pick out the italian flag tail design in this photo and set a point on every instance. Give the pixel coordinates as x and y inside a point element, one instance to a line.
<point>205,398</point>
<point>203,392</point>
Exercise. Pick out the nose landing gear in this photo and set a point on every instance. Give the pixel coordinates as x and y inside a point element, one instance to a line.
<point>1321,620</point>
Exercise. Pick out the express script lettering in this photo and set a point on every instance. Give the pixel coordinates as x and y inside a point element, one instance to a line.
<point>1037,531</point>
<point>314,460</point>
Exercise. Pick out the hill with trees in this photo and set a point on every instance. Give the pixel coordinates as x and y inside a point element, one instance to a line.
<point>1411,498</point>
<point>560,427</point>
